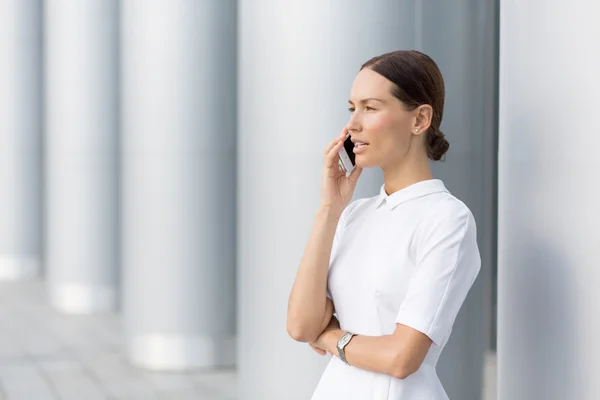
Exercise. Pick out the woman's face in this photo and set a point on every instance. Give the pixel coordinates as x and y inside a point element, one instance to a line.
<point>379,120</point>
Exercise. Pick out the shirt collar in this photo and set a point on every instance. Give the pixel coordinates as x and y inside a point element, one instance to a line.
<point>419,189</point>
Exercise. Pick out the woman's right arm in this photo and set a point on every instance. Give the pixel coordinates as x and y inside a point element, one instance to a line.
<point>309,309</point>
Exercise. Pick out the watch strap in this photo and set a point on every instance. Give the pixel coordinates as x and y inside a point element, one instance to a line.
<point>342,343</point>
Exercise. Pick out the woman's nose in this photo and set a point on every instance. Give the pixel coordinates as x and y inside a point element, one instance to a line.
<point>353,124</point>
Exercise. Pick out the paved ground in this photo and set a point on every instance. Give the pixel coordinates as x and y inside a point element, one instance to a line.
<point>45,355</point>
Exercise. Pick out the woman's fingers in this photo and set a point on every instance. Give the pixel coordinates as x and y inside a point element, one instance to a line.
<point>331,146</point>
<point>335,141</point>
<point>317,349</point>
<point>332,157</point>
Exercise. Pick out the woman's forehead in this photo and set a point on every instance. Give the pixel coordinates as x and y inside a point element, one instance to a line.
<point>368,84</point>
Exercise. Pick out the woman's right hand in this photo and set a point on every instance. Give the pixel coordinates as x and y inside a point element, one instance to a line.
<point>336,188</point>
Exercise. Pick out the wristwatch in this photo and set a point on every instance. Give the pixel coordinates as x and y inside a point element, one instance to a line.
<point>342,343</point>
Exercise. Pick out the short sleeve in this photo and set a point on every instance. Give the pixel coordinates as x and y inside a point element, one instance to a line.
<point>447,263</point>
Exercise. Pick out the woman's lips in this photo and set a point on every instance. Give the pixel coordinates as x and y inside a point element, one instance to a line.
<point>359,147</point>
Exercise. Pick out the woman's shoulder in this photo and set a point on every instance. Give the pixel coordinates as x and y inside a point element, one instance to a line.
<point>451,206</point>
<point>448,213</point>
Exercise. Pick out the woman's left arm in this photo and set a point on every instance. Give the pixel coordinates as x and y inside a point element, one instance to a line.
<point>399,354</point>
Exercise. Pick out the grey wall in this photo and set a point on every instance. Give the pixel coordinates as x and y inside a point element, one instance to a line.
<point>548,242</point>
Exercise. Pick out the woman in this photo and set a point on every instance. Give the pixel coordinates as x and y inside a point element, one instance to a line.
<point>394,268</point>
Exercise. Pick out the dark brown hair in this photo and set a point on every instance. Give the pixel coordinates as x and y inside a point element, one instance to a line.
<point>417,80</point>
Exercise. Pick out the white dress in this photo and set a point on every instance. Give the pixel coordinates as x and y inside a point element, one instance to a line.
<point>409,258</point>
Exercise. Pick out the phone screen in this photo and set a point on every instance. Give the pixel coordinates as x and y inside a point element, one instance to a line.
<point>349,146</point>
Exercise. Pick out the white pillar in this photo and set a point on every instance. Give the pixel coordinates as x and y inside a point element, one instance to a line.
<point>297,63</point>
<point>549,191</point>
<point>461,37</point>
<point>81,154</point>
<point>20,138</point>
<point>178,187</point>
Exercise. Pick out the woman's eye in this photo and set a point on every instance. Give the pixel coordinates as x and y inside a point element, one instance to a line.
<point>367,108</point>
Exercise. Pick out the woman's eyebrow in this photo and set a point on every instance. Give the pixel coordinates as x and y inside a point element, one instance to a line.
<point>367,99</point>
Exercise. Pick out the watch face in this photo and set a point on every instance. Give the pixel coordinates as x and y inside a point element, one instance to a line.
<point>344,339</point>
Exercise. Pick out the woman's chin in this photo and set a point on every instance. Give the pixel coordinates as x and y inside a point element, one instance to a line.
<point>362,162</point>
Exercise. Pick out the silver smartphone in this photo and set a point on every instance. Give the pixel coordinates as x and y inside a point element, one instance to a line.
<point>346,155</point>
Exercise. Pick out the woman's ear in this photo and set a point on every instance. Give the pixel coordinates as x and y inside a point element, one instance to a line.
<point>423,117</point>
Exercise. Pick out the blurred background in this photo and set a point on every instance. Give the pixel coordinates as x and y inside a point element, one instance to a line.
<point>160,167</point>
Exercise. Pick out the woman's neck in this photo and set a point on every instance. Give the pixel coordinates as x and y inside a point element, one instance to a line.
<point>406,173</point>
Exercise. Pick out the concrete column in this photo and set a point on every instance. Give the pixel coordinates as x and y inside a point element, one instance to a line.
<point>549,190</point>
<point>20,138</point>
<point>178,187</point>
<point>461,37</point>
<point>81,154</point>
<point>297,63</point>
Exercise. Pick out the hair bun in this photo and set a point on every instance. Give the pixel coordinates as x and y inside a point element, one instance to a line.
<point>437,145</point>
